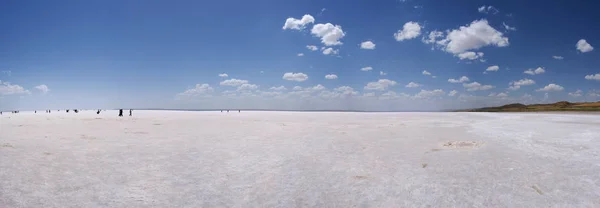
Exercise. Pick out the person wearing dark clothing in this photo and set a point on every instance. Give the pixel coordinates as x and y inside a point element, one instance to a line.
<point>120,112</point>
<point>130,111</point>
<point>239,111</point>
<point>98,111</point>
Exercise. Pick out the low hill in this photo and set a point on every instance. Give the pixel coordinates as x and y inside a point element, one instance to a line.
<point>559,106</point>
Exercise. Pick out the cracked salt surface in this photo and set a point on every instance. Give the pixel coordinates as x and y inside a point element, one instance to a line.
<point>293,159</point>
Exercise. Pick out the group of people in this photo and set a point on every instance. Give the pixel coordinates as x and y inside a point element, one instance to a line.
<point>239,111</point>
<point>77,111</point>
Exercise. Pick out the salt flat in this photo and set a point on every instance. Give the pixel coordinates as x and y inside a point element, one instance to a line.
<point>299,159</point>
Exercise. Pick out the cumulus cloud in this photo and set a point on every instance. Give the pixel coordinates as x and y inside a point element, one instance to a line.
<point>502,94</point>
<point>296,88</point>
<point>330,34</point>
<point>382,73</point>
<point>300,54</point>
<point>577,93</point>
<point>331,76</point>
<point>199,90</point>
<point>280,88</point>
<point>452,93</point>
<point>233,82</point>
<point>539,70</point>
<point>247,87</point>
<point>558,57</point>
<point>298,24</point>
<point>330,51</point>
<point>367,45</point>
<point>382,84</point>
<point>551,88</point>
<point>223,75</point>
<point>430,93</point>
<point>515,85</point>
<point>409,31</point>
<point>475,86</point>
<point>432,37</point>
<point>413,85</point>
<point>42,88</point>
<point>476,35</point>
<point>593,77</point>
<point>492,68</point>
<point>509,28</point>
<point>470,55</point>
<point>9,89</point>
<point>312,47</point>
<point>368,68</point>
<point>583,46</point>
<point>460,80</point>
<point>425,72</point>
<point>345,91</point>
<point>298,77</point>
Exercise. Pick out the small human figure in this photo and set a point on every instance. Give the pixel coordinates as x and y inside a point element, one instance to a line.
<point>67,110</point>
<point>120,112</point>
<point>227,111</point>
<point>239,111</point>
<point>98,111</point>
<point>130,111</point>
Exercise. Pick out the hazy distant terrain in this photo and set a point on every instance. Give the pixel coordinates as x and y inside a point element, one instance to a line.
<point>559,106</point>
<point>299,159</point>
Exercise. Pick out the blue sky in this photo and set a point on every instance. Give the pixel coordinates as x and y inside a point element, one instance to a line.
<point>169,54</point>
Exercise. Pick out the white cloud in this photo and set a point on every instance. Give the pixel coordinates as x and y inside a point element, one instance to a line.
<point>593,77</point>
<point>296,88</point>
<point>583,46</point>
<point>539,70</point>
<point>280,88</point>
<point>413,85</point>
<point>430,93</point>
<point>199,90</point>
<point>470,55</point>
<point>368,68</point>
<point>382,73</point>
<point>9,89</point>
<point>312,47</point>
<point>298,77</point>
<point>42,88</point>
<point>432,37</point>
<point>330,34</point>
<point>331,76</point>
<point>330,51</point>
<point>425,72</point>
<point>515,85</point>
<point>509,27</point>
<point>367,45</point>
<point>298,24</point>
<point>577,93</point>
<point>300,54</point>
<point>475,86</point>
<point>492,68</point>
<point>223,75</point>
<point>381,84</point>
<point>369,94</point>
<point>233,82</point>
<point>488,9</point>
<point>558,57</point>
<point>460,80</point>
<point>247,87</point>
<point>452,93</point>
<point>409,31</point>
<point>502,94</point>
<point>474,36</point>
<point>345,90</point>
<point>318,87</point>
<point>551,88</point>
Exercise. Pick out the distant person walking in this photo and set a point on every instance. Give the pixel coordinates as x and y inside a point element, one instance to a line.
<point>239,111</point>
<point>130,111</point>
<point>120,112</point>
<point>98,111</point>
